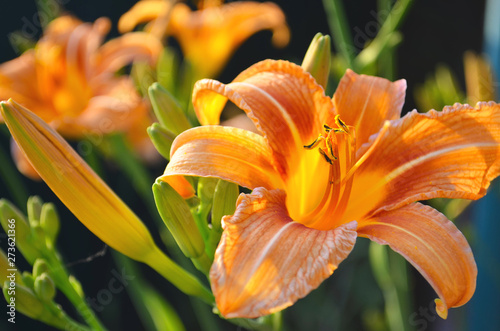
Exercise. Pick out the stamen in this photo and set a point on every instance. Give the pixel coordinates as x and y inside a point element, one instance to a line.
<point>327,158</point>
<point>341,124</point>
<point>314,143</point>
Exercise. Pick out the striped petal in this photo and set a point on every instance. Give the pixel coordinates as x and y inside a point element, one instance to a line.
<point>365,102</point>
<point>228,153</point>
<point>265,261</point>
<point>287,106</point>
<point>452,154</point>
<point>433,245</point>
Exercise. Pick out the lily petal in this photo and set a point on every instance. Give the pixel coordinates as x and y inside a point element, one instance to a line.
<point>142,11</point>
<point>285,103</point>
<point>76,184</point>
<point>265,261</point>
<point>450,154</point>
<point>209,37</point>
<point>132,46</point>
<point>433,245</point>
<point>365,102</point>
<point>232,154</point>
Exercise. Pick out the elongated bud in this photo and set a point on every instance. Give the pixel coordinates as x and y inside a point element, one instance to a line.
<point>206,189</point>
<point>177,217</point>
<point>225,196</point>
<point>24,300</point>
<point>34,210</point>
<point>317,59</point>
<point>162,139</point>
<point>14,224</point>
<point>45,288</point>
<point>168,110</point>
<point>77,185</point>
<point>49,222</point>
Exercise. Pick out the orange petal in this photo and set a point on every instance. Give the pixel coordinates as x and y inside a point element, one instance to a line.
<point>265,261</point>
<point>284,101</point>
<point>209,37</point>
<point>121,51</point>
<point>232,154</point>
<point>433,245</point>
<point>450,154</point>
<point>365,102</point>
<point>142,11</point>
<point>23,164</point>
<point>181,185</point>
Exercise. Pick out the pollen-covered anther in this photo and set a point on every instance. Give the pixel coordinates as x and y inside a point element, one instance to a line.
<point>329,148</point>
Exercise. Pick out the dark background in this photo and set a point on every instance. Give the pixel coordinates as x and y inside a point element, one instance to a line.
<point>434,32</point>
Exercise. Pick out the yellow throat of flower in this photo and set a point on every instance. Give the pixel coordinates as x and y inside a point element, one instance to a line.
<point>337,147</point>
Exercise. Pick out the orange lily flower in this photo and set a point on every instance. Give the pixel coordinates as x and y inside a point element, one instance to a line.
<point>308,207</point>
<point>69,80</point>
<point>210,35</point>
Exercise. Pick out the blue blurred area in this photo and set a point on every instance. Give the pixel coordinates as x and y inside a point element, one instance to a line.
<point>484,306</point>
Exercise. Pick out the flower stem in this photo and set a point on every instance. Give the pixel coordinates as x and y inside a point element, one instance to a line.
<point>178,276</point>
<point>61,278</point>
<point>340,30</point>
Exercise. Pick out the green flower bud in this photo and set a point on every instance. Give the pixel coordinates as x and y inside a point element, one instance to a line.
<point>39,267</point>
<point>143,76</point>
<point>177,217</point>
<point>49,221</point>
<point>206,189</point>
<point>38,236</point>
<point>317,59</point>
<point>167,69</point>
<point>162,139</point>
<point>28,279</point>
<point>24,300</point>
<point>225,196</point>
<point>45,288</point>
<point>168,110</point>
<point>34,210</point>
<point>15,225</point>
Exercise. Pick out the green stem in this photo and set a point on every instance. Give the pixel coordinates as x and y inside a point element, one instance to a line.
<point>386,37</point>
<point>61,278</point>
<point>389,270</point>
<point>340,30</point>
<point>67,322</point>
<point>12,180</point>
<point>155,312</point>
<point>178,276</point>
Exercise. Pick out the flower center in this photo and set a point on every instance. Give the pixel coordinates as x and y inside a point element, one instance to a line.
<point>338,148</point>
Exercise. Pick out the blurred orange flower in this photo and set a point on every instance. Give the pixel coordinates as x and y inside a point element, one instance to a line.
<point>307,207</point>
<point>210,35</point>
<point>69,80</point>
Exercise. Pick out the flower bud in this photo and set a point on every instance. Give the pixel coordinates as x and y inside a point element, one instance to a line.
<point>12,219</point>
<point>177,217</point>
<point>45,288</point>
<point>162,139</point>
<point>34,210</point>
<point>49,221</point>
<point>167,109</point>
<point>317,59</point>
<point>225,196</point>
<point>39,267</point>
